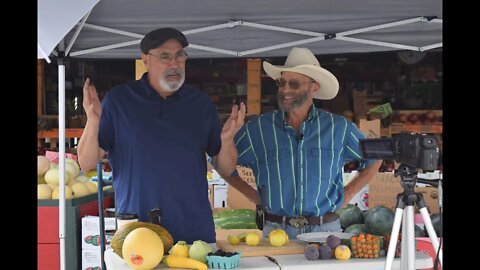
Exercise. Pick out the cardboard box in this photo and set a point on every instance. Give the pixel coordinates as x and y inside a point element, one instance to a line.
<point>220,196</point>
<point>91,231</point>
<point>384,188</point>
<point>91,259</point>
<point>247,175</point>
<point>237,200</point>
<point>370,128</point>
<point>359,102</point>
<point>214,178</point>
<point>210,195</point>
<point>361,198</point>
<point>424,245</point>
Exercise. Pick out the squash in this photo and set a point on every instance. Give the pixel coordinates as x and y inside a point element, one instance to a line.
<point>174,261</point>
<point>122,232</point>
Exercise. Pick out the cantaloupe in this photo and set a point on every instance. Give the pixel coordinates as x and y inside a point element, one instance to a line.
<point>122,232</point>
<point>142,249</point>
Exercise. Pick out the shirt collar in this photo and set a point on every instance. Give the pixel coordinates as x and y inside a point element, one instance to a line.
<point>152,93</point>
<point>312,114</point>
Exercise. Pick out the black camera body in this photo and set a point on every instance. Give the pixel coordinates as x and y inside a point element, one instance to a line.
<point>413,149</point>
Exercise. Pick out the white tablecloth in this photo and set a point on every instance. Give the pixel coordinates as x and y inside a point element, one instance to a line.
<point>298,262</point>
<point>292,262</point>
<point>114,262</point>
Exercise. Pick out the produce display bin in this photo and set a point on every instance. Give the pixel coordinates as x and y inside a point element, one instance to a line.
<point>48,242</point>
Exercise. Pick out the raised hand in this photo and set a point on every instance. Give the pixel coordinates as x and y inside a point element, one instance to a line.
<point>234,122</point>
<point>91,103</point>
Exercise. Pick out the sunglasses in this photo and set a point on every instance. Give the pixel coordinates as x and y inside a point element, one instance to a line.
<point>292,84</point>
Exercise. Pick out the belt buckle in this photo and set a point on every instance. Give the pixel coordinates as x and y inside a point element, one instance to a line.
<point>298,222</point>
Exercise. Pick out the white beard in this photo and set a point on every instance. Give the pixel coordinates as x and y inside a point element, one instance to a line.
<point>171,86</point>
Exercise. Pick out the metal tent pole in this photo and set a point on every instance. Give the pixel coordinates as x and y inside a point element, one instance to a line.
<point>61,163</point>
<point>100,213</point>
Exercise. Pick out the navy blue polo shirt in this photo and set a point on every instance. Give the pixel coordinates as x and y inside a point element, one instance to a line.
<point>302,173</point>
<point>156,148</point>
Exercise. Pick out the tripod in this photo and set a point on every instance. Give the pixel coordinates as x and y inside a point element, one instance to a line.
<point>409,198</point>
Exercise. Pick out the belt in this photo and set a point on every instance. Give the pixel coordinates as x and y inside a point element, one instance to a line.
<point>299,221</point>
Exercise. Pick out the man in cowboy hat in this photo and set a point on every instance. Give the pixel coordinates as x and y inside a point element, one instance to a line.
<point>297,152</point>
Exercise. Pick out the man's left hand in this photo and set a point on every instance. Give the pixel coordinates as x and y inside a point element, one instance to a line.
<point>234,122</point>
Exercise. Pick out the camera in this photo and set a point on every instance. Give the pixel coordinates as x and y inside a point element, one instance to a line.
<point>413,149</point>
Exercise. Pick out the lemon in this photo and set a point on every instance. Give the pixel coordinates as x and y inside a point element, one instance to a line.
<point>242,236</point>
<point>342,252</point>
<point>278,237</point>
<point>252,239</point>
<point>233,240</point>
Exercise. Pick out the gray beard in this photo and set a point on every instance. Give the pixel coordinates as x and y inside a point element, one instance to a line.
<point>300,99</point>
<point>171,86</point>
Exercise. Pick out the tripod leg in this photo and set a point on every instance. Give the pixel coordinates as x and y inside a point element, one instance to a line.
<point>403,250</point>
<point>431,233</point>
<point>394,237</point>
<point>410,237</point>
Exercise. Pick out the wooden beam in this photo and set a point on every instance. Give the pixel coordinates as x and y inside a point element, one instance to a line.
<point>139,69</point>
<point>254,91</point>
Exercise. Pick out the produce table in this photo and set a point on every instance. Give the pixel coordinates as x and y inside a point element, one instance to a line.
<point>294,261</point>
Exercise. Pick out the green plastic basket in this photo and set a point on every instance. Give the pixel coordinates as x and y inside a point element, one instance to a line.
<point>221,262</point>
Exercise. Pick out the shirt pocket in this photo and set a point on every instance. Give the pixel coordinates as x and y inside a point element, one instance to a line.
<point>323,153</point>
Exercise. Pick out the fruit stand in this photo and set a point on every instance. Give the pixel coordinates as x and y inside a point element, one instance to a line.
<point>48,243</point>
<point>293,262</point>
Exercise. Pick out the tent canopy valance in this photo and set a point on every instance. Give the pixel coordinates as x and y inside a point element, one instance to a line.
<point>252,28</point>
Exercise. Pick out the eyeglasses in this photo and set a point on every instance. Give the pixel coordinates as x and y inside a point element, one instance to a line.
<point>293,84</point>
<point>166,58</point>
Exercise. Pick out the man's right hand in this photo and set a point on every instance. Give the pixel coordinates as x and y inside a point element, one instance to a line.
<point>91,103</point>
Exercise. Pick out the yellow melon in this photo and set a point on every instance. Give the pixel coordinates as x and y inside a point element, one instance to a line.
<point>43,164</point>
<point>80,189</point>
<point>142,249</point>
<point>56,193</point>
<point>44,192</point>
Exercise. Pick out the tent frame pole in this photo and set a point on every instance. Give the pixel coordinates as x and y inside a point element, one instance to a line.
<point>61,164</point>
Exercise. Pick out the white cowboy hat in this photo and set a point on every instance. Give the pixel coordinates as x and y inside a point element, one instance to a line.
<point>302,60</point>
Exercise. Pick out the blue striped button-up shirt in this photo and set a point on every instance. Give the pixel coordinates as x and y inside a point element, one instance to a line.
<point>302,173</point>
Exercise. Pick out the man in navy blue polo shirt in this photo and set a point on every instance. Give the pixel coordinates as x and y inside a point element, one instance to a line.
<point>156,131</point>
<point>297,152</point>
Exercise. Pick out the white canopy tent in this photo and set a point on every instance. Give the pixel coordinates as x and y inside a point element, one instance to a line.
<point>232,28</point>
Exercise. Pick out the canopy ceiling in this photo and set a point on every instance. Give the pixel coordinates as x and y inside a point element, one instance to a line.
<point>247,26</point>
